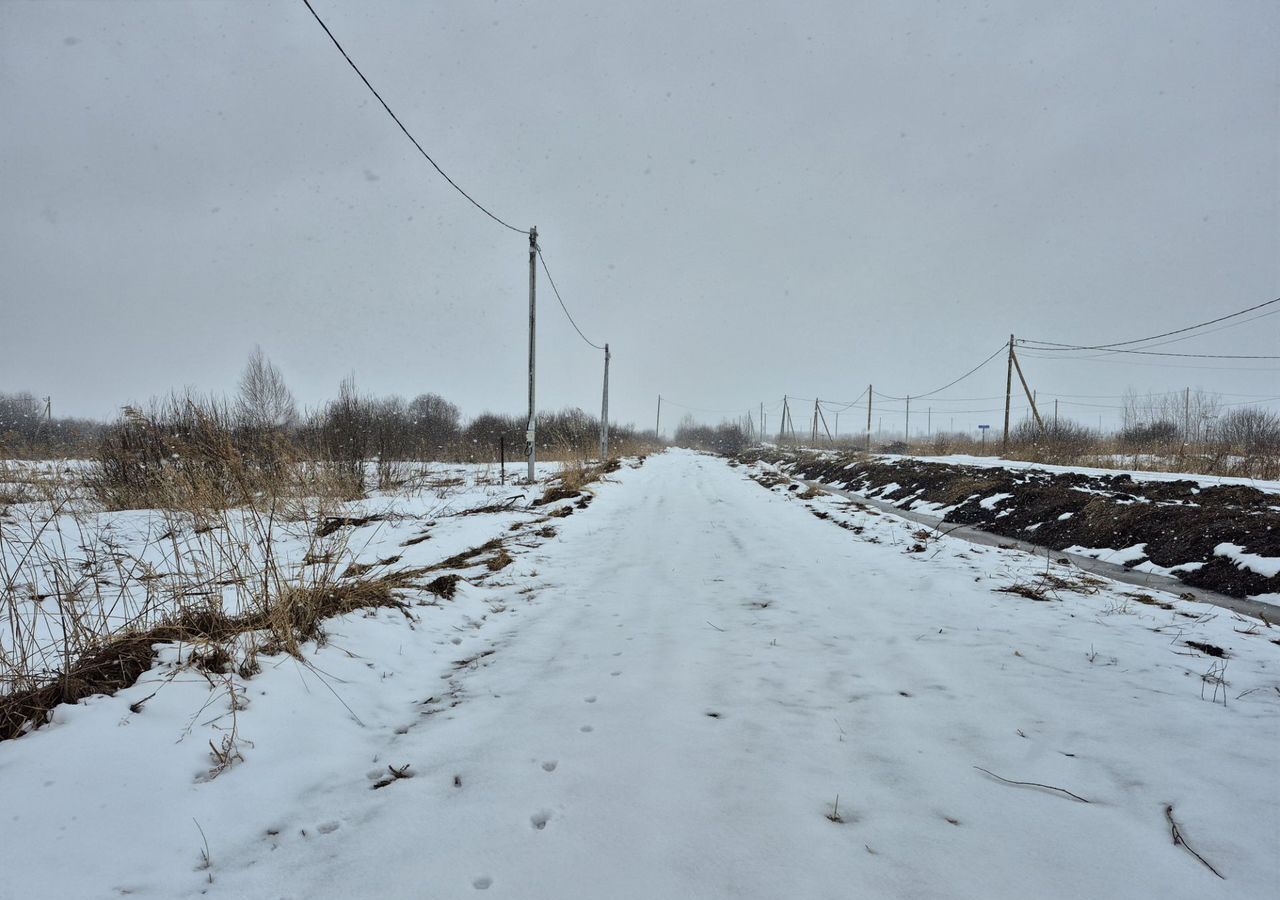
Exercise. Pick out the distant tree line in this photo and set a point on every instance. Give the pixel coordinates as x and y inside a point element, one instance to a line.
<point>260,429</point>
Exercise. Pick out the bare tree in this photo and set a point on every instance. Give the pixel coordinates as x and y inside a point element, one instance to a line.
<point>265,402</point>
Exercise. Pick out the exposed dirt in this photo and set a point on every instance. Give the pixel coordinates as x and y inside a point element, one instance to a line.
<point>1179,521</point>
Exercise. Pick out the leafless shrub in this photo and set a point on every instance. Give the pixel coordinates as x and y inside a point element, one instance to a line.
<point>727,438</point>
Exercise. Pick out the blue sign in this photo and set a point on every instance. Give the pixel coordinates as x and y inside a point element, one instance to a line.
<point>984,427</point>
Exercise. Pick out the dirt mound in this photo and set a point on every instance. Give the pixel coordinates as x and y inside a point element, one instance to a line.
<point>1180,522</point>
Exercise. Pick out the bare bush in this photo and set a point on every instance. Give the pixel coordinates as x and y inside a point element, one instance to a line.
<point>727,438</point>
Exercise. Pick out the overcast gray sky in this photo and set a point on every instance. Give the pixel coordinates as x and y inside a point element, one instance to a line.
<point>745,199</point>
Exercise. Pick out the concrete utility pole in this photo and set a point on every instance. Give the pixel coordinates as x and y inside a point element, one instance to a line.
<point>530,434</point>
<point>657,425</point>
<point>869,392</point>
<point>907,436</point>
<point>762,431</point>
<point>1186,415</point>
<point>1008,395</point>
<point>604,411</point>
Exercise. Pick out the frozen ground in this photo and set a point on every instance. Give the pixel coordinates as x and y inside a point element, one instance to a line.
<point>666,700</point>
<point>962,459</point>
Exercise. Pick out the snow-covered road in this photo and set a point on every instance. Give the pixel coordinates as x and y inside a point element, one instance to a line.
<point>699,667</point>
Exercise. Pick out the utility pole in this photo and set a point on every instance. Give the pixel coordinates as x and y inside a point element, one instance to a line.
<point>1186,415</point>
<point>1008,395</point>
<point>1055,416</point>
<point>604,411</point>
<point>530,434</point>
<point>869,392</point>
<point>928,427</point>
<point>814,439</point>
<point>907,436</point>
<point>1035,410</point>
<point>657,425</point>
<point>762,431</point>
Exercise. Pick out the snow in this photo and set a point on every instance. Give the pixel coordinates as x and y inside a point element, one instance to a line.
<point>993,501</point>
<point>680,684</point>
<point>1266,566</point>
<point>1119,556</point>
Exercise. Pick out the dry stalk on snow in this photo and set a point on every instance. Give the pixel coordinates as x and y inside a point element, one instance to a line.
<point>1047,787</point>
<point>1179,841</point>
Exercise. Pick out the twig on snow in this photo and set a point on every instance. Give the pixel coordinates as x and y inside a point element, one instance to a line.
<point>716,627</point>
<point>1179,841</point>
<point>1047,787</point>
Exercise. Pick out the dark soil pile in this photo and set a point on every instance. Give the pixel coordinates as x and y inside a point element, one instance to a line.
<point>1179,521</point>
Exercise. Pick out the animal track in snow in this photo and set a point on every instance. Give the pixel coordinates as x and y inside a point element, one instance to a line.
<point>616,672</point>
<point>540,819</point>
<point>482,883</point>
<point>328,827</point>
<point>586,728</point>
<point>591,699</point>
<point>549,765</point>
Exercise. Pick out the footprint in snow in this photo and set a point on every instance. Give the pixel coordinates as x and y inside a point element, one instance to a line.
<point>549,765</point>
<point>482,883</point>
<point>591,699</point>
<point>328,827</point>
<point>586,728</point>
<point>540,819</point>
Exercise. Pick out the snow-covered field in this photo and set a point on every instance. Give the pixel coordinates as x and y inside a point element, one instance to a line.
<point>697,688</point>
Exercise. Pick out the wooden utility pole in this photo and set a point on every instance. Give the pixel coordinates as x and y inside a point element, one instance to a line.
<point>657,425</point>
<point>1008,395</point>
<point>814,439</point>
<point>869,393</point>
<point>762,431</point>
<point>825,427</point>
<point>530,433</point>
<point>1026,390</point>
<point>782,428</point>
<point>604,411</point>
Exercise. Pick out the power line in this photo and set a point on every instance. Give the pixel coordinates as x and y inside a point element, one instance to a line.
<point>1031,354</point>
<point>1051,345</point>
<point>1162,353</point>
<point>396,119</point>
<point>556,291</point>
<point>999,350</point>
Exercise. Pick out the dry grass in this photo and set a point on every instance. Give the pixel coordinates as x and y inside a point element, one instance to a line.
<point>85,594</point>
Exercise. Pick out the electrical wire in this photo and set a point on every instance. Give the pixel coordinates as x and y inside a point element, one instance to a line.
<point>999,350</point>
<point>396,119</point>
<point>556,291</point>
<point>1051,345</point>
<point>1029,354</point>
<point>1162,353</point>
